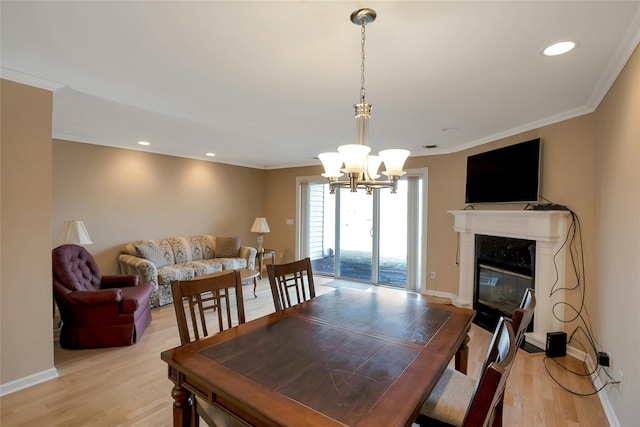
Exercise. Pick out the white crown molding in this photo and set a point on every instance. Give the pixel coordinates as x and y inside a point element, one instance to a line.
<point>546,121</point>
<point>29,80</point>
<point>619,60</point>
<point>83,140</point>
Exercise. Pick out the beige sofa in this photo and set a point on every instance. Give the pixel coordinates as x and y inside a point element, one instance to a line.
<point>160,261</point>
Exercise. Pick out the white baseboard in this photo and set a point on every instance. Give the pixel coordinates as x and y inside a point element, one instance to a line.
<point>440,294</point>
<point>597,382</point>
<point>604,399</point>
<point>28,381</point>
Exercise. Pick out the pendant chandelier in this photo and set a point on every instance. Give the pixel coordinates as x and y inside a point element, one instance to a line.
<point>361,167</point>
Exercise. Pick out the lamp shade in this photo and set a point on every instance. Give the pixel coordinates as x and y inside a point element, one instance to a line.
<point>260,226</point>
<point>332,163</point>
<point>73,232</point>
<point>394,161</point>
<point>373,163</point>
<point>354,156</point>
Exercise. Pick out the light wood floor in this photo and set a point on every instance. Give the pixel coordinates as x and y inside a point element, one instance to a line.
<point>128,386</point>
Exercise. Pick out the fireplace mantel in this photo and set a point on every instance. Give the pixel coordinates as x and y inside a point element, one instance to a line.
<point>547,228</point>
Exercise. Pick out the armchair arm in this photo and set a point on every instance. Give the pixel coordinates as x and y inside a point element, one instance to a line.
<point>118,281</point>
<point>102,296</point>
<point>249,253</point>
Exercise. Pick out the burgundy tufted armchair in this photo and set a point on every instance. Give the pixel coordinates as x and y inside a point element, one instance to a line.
<point>97,311</point>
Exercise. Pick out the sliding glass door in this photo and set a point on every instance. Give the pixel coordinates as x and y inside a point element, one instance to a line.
<point>392,240</point>
<point>370,238</point>
<point>354,252</point>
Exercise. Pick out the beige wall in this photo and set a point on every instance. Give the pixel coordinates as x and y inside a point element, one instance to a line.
<point>25,272</point>
<point>125,195</point>
<point>616,286</point>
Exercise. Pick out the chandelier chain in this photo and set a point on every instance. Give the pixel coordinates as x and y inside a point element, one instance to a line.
<point>363,33</point>
<point>362,168</point>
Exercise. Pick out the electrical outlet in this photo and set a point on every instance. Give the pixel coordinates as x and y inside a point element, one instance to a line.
<point>433,275</point>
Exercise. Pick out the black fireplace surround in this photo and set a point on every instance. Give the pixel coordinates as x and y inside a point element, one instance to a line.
<point>504,270</point>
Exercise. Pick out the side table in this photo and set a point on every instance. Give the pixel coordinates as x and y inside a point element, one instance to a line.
<point>263,255</point>
<point>247,276</point>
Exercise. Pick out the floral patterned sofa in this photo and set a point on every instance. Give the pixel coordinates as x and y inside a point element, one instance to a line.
<point>158,262</point>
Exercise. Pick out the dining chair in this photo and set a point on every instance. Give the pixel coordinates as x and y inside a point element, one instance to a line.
<point>458,400</point>
<point>520,321</point>
<point>522,317</point>
<point>210,293</point>
<point>296,275</point>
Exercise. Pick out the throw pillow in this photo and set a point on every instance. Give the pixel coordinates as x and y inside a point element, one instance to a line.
<point>227,247</point>
<point>159,254</point>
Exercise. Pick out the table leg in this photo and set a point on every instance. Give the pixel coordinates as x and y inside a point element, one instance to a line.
<point>182,406</point>
<point>462,355</point>
<point>255,284</point>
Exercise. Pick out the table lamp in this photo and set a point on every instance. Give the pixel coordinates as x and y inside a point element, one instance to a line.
<point>260,226</point>
<point>73,232</point>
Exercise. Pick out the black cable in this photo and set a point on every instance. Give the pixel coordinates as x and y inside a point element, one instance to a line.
<point>574,244</point>
<point>595,390</point>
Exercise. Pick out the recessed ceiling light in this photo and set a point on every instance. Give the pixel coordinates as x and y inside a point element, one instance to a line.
<point>450,129</point>
<point>144,143</point>
<point>210,154</point>
<point>559,48</point>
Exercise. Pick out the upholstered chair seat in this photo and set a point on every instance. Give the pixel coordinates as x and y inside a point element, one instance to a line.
<point>449,400</point>
<point>459,401</point>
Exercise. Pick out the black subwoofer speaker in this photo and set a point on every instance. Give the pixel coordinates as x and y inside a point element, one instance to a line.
<point>556,344</point>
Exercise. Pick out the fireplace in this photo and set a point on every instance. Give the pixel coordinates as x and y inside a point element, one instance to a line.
<point>547,229</point>
<point>504,271</point>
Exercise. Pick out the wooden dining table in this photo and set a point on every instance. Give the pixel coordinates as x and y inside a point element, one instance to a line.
<point>349,357</point>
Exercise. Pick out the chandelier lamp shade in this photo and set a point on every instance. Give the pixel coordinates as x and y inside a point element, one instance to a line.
<point>354,159</point>
<point>73,232</point>
<point>260,226</point>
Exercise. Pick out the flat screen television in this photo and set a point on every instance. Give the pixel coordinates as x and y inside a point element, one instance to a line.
<point>505,175</point>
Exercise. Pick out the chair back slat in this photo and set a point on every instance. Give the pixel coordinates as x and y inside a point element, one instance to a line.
<point>286,278</point>
<point>520,322</point>
<point>522,316</point>
<point>493,378</point>
<point>206,294</point>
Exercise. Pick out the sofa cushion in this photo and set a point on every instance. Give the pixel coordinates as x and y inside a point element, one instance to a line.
<point>206,266</point>
<point>208,244</point>
<point>233,263</point>
<point>185,249</point>
<point>157,251</point>
<point>227,247</point>
<point>175,272</point>
<point>195,246</point>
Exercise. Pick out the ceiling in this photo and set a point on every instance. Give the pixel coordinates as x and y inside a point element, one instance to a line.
<point>270,84</point>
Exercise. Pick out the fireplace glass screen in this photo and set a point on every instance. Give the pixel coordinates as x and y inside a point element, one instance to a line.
<point>501,289</point>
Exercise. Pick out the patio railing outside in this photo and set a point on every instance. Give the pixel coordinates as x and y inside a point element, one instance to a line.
<point>357,265</point>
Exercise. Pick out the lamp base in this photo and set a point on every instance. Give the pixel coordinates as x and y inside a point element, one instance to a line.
<point>260,241</point>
